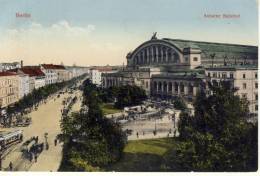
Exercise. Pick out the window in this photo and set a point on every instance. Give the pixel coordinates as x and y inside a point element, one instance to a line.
<point>244,95</point>
<point>195,59</point>
<point>244,75</point>
<point>256,107</point>
<point>244,85</point>
<point>214,75</point>
<point>256,85</point>
<point>231,75</point>
<point>208,74</point>
<point>256,96</point>
<point>255,75</point>
<point>224,75</point>
<point>186,59</point>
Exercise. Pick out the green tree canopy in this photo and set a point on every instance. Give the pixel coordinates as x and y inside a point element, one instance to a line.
<point>217,137</point>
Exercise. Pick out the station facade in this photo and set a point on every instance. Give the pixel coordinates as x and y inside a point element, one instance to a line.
<point>169,68</point>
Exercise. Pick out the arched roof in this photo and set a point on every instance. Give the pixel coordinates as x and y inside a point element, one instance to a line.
<point>155,42</point>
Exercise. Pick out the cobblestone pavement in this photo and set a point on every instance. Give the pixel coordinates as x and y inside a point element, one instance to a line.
<point>45,119</point>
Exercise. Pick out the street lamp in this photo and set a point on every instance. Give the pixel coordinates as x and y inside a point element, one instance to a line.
<point>0,159</point>
<point>46,142</point>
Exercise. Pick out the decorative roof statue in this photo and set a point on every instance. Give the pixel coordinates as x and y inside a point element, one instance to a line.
<point>154,36</point>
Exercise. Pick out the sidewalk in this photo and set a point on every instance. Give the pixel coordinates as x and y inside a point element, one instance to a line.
<point>48,160</point>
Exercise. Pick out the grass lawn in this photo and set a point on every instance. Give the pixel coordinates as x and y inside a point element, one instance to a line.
<point>145,155</point>
<point>109,109</point>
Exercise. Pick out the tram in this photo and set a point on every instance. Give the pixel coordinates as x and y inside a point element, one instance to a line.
<point>8,139</point>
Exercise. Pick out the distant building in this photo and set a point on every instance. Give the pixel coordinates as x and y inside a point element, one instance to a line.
<point>9,89</point>
<point>96,72</point>
<point>10,66</point>
<point>36,76</point>
<point>63,74</point>
<point>24,85</point>
<point>242,77</point>
<point>50,72</point>
<point>76,71</point>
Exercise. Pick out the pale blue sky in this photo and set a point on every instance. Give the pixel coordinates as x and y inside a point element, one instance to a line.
<point>121,25</point>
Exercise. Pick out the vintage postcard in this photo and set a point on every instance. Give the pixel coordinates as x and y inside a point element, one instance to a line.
<point>128,86</point>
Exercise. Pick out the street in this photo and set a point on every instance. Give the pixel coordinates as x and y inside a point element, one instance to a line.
<point>45,120</point>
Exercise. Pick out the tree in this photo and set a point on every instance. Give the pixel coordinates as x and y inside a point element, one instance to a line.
<point>217,137</point>
<point>129,96</point>
<point>180,104</point>
<point>91,141</point>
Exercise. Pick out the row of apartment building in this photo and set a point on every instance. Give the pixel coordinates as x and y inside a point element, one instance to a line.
<point>15,83</point>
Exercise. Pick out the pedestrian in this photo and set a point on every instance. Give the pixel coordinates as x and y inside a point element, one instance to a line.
<point>35,158</point>
<point>30,157</point>
<point>47,146</point>
<point>36,139</point>
<point>11,166</point>
<point>55,141</point>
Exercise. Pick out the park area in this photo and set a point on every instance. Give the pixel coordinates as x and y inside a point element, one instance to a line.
<point>108,108</point>
<point>145,155</point>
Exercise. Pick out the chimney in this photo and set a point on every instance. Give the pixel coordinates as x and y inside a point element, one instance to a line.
<point>21,63</point>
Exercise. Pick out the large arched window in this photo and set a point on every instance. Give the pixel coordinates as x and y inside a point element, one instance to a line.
<point>145,56</point>
<point>182,88</point>
<point>164,86</point>
<point>190,89</point>
<point>164,55</point>
<point>156,53</point>
<point>160,86</point>
<point>159,54</point>
<point>176,87</point>
<point>170,87</point>
<point>169,53</point>
<point>155,85</point>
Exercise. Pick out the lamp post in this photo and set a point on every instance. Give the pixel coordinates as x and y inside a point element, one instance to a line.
<point>173,118</point>
<point>0,159</point>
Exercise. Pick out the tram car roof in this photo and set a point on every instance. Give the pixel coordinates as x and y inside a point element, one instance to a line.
<point>6,135</point>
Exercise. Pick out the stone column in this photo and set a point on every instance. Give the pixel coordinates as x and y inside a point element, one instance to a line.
<point>185,89</point>
<point>195,89</point>
<point>156,51</point>
<point>148,56</point>
<point>174,88</point>
<point>162,58</point>
<point>152,53</point>
<point>179,88</point>
<point>167,87</point>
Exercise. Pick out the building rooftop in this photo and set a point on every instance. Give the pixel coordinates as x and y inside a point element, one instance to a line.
<point>182,76</point>
<point>7,73</point>
<point>232,51</point>
<point>52,66</point>
<point>32,71</point>
<point>233,67</point>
